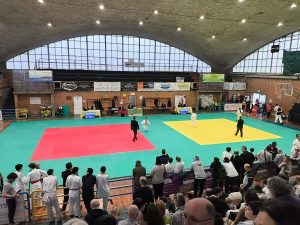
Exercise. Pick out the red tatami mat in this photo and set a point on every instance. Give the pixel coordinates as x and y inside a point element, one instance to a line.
<point>67,142</point>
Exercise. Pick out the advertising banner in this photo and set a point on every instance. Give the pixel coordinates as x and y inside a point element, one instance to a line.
<point>114,86</point>
<point>128,86</point>
<point>235,86</point>
<point>40,75</point>
<point>185,86</point>
<point>210,77</point>
<point>146,86</point>
<point>100,86</point>
<point>164,86</point>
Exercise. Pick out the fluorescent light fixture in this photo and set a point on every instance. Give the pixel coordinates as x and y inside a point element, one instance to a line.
<point>141,23</point>
<point>243,21</point>
<point>213,37</point>
<point>245,39</point>
<point>49,24</point>
<point>201,17</point>
<point>293,5</point>
<point>41,1</point>
<point>279,24</point>
<point>178,29</point>
<point>155,12</point>
<point>98,22</point>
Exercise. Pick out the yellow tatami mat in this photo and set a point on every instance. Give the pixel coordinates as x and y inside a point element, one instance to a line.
<point>218,131</point>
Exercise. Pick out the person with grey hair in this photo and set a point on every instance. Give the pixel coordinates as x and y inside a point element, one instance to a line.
<point>278,159</point>
<point>95,212</point>
<point>200,176</point>
<point>143,192</point>
<point>178,215</point>
<point>199,210</point>
<point>75,222</point>
<point>283,191</point>
<point>133,213</point>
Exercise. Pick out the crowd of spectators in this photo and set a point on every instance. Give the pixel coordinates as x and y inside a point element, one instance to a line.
<point>235,197</point>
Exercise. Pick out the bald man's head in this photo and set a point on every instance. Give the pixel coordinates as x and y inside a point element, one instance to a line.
<point>199,210</point>
<point>133,212</point>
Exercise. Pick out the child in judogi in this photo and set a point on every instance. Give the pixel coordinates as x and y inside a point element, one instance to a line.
<point>194,119</point>
<point>145,124</point>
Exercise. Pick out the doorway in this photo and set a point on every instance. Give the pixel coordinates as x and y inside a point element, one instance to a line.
<point>132,100</point>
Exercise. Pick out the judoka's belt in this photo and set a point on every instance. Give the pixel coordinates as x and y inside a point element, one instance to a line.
<point>35,181</point>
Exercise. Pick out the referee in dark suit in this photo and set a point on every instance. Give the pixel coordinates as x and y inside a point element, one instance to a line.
<point>134,127</point>
<point>239,126</point>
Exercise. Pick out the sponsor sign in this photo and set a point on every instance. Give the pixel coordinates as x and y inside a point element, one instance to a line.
<point>232,107</point>
<point>114,86</point>
<point>40,75</point>
<point>69,86</point>
<point>180,79</point>
<point>213,77</point>
<point>146,86</point>
<point>35,101</point>
<point>164,87</point>
<point>128,86</point>
<point>183,86</point>
<point>235,86</point>
<point>100,86</point>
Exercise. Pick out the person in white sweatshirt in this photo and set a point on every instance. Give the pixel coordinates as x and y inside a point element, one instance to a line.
<point>232,176</point>
<point>200,176</point>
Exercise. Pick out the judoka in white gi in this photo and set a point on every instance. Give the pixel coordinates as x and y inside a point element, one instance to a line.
<point>34,177</point>
<point>239,113</point>
<point>74,183</point>
<point>145,124</point>
<point>194,119</point>
<point>49,195</point>
<point>21,181</point>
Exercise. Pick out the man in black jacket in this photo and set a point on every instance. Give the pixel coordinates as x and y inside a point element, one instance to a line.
<point>65,175</point>
<point>134,127</point>
<point>88,183</point>
<point>239,127</point>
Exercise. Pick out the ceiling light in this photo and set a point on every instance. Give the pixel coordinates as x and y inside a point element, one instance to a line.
<point>201,17</point>
<point>294,5</point>
<point>49,24</point>
<point>178,28</point>
<point>213,37</point>
<point>241,0</point>
<point>279,24</point>
<point>101,6</point>
<point>243,21</point>
<point>141,23</point>
<point>245,39</point>
<point>98,22</point>
<point>41,1</point>
<point>155,12</point>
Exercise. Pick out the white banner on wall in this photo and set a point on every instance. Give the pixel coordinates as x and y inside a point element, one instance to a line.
<point>235,86</point>
<point>232,107</point>
<point>185,86</point>
<point>100,86</point>
<point>40,75</point>
<point>114,86</point>
<point>206,100</point>
<point>164,87</point>
<point>35,101</point>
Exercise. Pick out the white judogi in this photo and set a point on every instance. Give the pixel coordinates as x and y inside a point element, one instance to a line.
<point>239,113</point>
<point>145,124</point>
<point>194,119</point>
<point>74,183</point>
<point>34,177</point>
<point>103,189</point>
<point>21,182</point>
<point>49,196</point>
<point>295,149</point>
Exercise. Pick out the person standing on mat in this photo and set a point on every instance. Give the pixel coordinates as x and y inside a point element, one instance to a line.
<point>134,127</point>
<point>239,126</point>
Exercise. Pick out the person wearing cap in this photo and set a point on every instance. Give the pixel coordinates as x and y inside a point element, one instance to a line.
<point>74,183</point>
<point>49,195</point>
<point>200,176</point>
<point>88,183</point>
<point>11,196</point>
<point>34,177</point>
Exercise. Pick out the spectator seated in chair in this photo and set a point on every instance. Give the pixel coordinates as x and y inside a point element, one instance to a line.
<point>60,111</point>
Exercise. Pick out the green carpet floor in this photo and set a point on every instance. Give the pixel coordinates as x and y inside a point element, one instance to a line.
<point>19,140</point>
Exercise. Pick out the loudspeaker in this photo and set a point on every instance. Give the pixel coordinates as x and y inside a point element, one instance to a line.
<point>274,48</point>
<point>57,85</point>
<point>194,86</point>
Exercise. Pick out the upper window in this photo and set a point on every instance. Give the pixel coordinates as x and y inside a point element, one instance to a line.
<point>108,53</point>
<point>263,61</point>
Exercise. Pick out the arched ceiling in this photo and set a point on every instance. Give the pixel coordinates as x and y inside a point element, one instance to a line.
<point>23,24</point>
